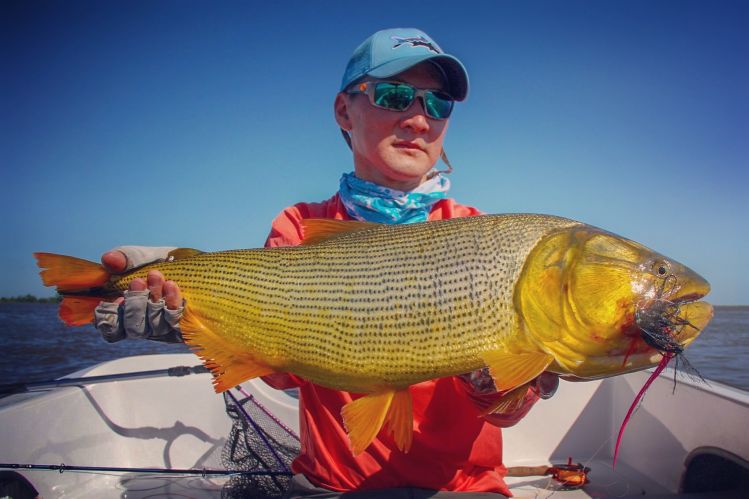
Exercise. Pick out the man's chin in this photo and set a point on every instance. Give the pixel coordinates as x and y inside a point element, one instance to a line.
<point>409,179</point>
<point>409,166</point>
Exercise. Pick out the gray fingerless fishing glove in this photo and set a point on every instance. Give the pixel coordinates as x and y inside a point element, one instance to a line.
<point>138,317</point>
<point>137,256</point>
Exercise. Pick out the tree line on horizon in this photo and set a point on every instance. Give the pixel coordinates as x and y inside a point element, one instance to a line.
<point>29,298</point>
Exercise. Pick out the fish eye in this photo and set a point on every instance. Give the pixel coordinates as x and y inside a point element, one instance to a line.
<point>660,268</point>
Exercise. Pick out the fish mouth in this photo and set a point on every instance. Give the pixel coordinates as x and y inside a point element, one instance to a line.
<point>676,316</point>
<point>667,320</point>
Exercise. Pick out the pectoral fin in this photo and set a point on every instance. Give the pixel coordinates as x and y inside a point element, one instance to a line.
<point>511,370</point>
<point>364,417</point>
<point>510,402</point>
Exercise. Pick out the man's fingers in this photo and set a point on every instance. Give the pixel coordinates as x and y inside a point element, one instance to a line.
<point>155,281</point>
<point>114,261</point>
<point>159,289</point>
<point>172,295</point>
<point>138,284</point>
<point>546,384</point>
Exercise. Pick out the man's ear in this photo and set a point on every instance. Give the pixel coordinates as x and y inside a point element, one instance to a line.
<point>340,108</point>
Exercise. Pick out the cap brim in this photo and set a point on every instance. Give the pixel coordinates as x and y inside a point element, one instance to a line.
<point>457,76</point>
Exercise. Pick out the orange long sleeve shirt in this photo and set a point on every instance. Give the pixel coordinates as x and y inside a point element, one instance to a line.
<point>454,448</point>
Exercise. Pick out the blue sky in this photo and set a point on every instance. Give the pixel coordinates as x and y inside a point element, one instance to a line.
<point>194,123</point>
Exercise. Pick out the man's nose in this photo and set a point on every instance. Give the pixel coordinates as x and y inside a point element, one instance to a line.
<point>416,117</point>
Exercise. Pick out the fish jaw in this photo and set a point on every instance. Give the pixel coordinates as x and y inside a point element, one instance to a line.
<point>590,299</point>
<point>698,314</point>
<point>670,326</point>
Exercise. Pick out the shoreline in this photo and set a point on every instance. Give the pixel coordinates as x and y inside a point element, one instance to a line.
<point>30,299</point>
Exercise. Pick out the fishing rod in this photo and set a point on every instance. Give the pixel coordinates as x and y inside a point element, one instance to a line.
<point>173,371</point>
<point>116,469</point>
<point>178,371</point>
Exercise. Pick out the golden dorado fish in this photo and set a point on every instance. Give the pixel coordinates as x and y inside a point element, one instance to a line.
<point>373,309</point>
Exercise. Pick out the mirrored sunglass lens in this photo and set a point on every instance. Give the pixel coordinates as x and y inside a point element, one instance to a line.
<point>392,96</point>
<point>438,105</point>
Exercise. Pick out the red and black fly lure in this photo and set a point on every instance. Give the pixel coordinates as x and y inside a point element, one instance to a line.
<point>660,326</point>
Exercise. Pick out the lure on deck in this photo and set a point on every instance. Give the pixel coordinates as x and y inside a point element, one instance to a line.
<point>374,309</point>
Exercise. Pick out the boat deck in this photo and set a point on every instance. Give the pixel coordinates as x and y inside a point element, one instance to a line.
<point>181,423</point>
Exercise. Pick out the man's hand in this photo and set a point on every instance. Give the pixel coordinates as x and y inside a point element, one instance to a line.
<point>151,307</point>
<point>544,385</point>
<point>483,392</point>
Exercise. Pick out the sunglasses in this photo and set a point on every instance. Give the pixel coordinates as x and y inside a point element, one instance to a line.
<point>398,96</point>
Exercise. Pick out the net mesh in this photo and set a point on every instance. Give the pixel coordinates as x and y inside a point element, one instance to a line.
<point>259,449</point>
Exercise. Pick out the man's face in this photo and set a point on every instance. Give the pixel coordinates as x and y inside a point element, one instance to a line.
<point>392,148</point>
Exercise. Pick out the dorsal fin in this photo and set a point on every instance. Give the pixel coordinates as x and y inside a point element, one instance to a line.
<point>317,230</point>
<point>182,253</point>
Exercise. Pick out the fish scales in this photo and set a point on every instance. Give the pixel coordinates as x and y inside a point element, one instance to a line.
<point>372,307</point>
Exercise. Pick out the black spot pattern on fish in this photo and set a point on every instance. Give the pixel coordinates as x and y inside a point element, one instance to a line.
<point>391,304</point>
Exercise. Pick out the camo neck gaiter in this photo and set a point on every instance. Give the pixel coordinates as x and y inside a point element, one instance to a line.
<point>370,202</point>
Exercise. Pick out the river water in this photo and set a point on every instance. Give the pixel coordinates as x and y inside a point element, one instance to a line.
<point>36,346</point>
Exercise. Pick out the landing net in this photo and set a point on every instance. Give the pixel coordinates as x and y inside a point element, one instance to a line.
<point>258,443</point>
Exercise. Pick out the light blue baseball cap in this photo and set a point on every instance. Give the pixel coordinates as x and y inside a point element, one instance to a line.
<point>392,51</point>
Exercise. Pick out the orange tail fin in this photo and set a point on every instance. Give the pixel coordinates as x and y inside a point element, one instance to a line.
<point>78,310</point>
<point>71,275</point>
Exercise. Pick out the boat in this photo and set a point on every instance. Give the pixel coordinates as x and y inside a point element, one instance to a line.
<point>688,438</point>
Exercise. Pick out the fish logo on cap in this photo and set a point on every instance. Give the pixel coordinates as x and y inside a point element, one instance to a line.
<point>415,41</point>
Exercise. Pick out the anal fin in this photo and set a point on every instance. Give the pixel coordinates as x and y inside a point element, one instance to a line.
<point>230,365</point>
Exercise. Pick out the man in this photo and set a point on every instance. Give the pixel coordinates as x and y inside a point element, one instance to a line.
<point>394,104</point>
